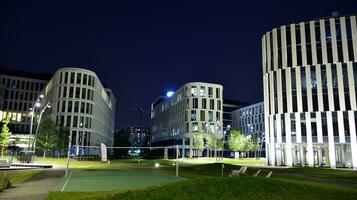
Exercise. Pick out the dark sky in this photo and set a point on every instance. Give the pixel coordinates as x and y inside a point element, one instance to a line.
<point>141,49</point>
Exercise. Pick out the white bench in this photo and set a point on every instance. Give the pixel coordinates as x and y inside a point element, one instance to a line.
<point>242,170</point>
<point>256,173</point>
<point>5,164</point>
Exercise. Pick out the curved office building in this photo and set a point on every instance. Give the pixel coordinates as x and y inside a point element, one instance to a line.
<point>82,104</point>
<point>310,77</point>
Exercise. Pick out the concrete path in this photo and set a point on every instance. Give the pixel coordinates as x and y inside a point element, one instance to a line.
<point>36,188</point>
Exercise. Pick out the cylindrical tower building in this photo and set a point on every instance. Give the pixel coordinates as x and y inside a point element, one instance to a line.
<point>310,77</point>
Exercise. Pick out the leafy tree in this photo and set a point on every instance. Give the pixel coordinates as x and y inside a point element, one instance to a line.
<point>237,141</point>
<point>63,140</point>
<point>210,138</point>
<point>198,141</point>
<point>47,138</point>
<point>219,145</point>
<point>5,134</point>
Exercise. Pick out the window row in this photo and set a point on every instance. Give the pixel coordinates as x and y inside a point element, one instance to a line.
<point>22,84</point>
<point>75,92</point>
<point>77,78</point>
<point>252,110</point>
<point>252,128</point>
<point>336,47</point>
<point>202,92</point>
<point>334,80</point>
<point>74,107</point>
<point>202,116</point>
<point>337,123</point>
<point>17,106</point>
<point>204,127</point>
<point>21,95</point>
<point>252,119</point>
<point>194,103</point>
<point>81,138</point>
<point>74,121</point>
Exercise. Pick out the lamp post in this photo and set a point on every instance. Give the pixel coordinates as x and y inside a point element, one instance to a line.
<point>224,138</point>
<point>37,104</point>
<point>48,105</point>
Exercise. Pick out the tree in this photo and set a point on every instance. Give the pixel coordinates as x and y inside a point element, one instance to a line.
<point>63,139</point>
<point>219,147</point>
<point>47,138</point>
<point>198,141</point>
<point>5,134</point>
<point>211,140</point>
<point>248,144</point>
<point>237,142</point>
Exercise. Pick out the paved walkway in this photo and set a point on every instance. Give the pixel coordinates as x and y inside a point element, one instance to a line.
<point>36,188</point>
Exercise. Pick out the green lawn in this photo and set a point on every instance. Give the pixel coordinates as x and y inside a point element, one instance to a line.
<point>99,180</point>
<point>15,176</point>
<point>219,188</point>
<point>127,179</point>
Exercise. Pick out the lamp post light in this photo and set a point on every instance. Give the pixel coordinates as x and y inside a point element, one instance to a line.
<point>36,105</point>
<point>48,105</point>
<point>224,138</point>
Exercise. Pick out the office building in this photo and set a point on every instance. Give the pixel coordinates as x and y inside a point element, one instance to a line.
<point>228,107</point>
<point>81,103</point>
<point>19,91</point>
<point>310,77</point>
<point>176,117</point>
<point>138,135</point>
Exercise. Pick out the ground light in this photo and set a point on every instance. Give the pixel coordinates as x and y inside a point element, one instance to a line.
<point>157,165</point>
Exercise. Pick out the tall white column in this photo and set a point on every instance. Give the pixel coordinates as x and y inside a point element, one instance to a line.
<point>309,147</point>
<point>183,148</point>
<point>288,149</point>
<point>331,143</point>
<point>351,119</point>
<point>278,139</point>
<point>191,144</point>
<point>272,141</point>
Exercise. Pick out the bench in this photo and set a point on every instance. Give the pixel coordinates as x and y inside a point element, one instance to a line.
<point>242,170</point>
<point>5,164</point>
<point>256,173</point>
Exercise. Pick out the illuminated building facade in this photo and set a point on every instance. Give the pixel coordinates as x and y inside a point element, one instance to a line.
<point>310,77</point>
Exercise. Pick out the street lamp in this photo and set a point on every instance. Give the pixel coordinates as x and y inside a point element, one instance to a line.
<point>48,105</point>
<point>36,105</point>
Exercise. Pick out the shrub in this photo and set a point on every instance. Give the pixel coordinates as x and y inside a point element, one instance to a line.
<point>4,182</point>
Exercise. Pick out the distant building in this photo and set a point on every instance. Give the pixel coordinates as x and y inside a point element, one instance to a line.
<point>176,117</point>
<point>228,107</point>
<point>19,91</point>
<point>138,136</point>
<point>250,120</point>
<point>81,103</point>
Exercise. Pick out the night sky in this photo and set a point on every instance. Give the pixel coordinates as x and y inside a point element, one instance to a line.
<point>141,49</point>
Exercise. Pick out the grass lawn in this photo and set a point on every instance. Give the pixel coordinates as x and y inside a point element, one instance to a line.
<point>219,188</point>
<point>100,180</point>
<point>126,179</point>
<point>15,176</point>
<point>19,176</point>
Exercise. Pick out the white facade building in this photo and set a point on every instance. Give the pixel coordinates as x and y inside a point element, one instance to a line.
<point>310,77</point>
<point>19,91</point>
<point>175,118</point>
<point>82,104</point>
